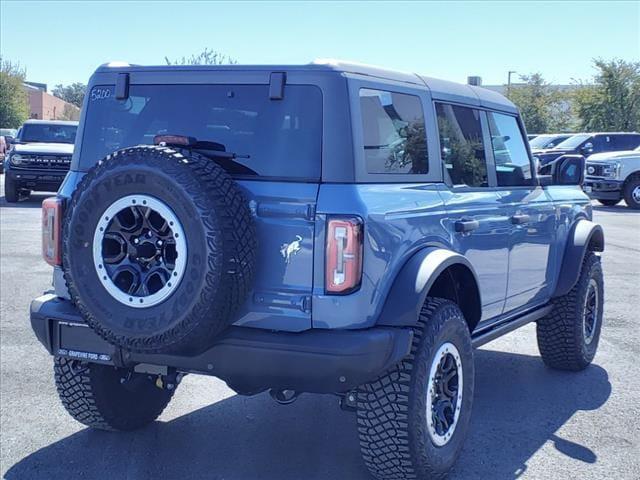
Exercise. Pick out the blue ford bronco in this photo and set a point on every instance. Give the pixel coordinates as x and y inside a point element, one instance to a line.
<point>326,228</point>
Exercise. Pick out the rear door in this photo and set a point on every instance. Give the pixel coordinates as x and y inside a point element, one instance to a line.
<point>284,213</point>
<point>276,135</point>
<point>477,219</point>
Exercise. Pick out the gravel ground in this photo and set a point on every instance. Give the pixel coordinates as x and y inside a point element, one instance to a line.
<point>528,421</point>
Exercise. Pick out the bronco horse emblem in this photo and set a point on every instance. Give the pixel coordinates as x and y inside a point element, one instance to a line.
<point>288,250</point>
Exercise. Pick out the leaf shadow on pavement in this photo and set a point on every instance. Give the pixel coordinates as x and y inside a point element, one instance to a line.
<point>519,406</point>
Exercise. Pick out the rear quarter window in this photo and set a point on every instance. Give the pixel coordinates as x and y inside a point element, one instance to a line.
<point>282,138</point>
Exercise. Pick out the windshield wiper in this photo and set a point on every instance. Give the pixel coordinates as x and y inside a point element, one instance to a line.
<point>213,150</point>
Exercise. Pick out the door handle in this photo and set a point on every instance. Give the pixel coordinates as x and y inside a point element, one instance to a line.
<point>464,226</point>
<point>520,219</point>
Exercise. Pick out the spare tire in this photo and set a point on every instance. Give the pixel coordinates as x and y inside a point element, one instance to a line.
<point>158,249</point>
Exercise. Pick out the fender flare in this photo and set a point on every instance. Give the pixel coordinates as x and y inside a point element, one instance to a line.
<point>583,234</point>
<point>413,282</point>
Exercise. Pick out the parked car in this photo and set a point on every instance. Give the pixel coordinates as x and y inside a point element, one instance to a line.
<point>614,176</point>
<point>3,152</point>
<point>547,140</point>
<point>6,137</point>
<point>589,143</point>
<point>325,228</point>
<point>39,158</point>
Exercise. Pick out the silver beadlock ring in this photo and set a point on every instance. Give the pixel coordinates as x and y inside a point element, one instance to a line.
<point>145,205</point>
<point>446,352</point>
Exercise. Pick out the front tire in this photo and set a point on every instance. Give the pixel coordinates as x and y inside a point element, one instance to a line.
<point>11,191</point>
<point>568,336</point>
<point>413,420</point>
<point>632,193</point>
<point>107,398</point>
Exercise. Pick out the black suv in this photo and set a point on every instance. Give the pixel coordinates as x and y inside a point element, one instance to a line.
<point>40,157</point>
<point>588,143</point>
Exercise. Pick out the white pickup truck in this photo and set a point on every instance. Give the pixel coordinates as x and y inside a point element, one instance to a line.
<point>613,176</point>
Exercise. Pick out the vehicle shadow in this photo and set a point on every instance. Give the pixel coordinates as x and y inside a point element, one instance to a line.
<point>34,201</point>
<point>620,208</point>
<point>519,406</point>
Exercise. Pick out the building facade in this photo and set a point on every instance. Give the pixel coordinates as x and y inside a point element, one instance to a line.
<point>44,106</point>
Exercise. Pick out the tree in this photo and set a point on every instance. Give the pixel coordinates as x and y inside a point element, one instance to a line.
<point>73,93</point>
<point>14,104</point>
<point>612,101</point>
<point>206,57</point>
<point>543,107</point>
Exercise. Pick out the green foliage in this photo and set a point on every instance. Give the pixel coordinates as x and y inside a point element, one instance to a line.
<point>543,107</point>
<point>73,93</point>
<point>465,155</point>
<point>206,57</point>
<point>14,106</point>
<point>612,101</point>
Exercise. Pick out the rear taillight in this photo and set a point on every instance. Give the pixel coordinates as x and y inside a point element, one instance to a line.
<point>343,255</point>
<point>51,234</point>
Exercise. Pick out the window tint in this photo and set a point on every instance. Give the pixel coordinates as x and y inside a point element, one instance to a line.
<point>625,142</point>
<point>48,133</point>
<point>461,145</point>
<point>513,167</point>
<point>281,138</point>
<point>393,132</point>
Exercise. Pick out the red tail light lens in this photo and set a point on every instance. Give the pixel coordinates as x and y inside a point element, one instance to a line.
<point>343,255</point>
<point>51,231</point>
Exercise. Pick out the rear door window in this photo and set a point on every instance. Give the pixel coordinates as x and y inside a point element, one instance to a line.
<point>273,138</point>
<point>461,144</point>
<point>394,134</point>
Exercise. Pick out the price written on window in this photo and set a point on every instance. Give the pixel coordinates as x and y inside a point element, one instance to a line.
<point>100,94</point>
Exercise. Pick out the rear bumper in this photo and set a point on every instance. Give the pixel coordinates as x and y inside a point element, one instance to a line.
<point>603,189</point>
<point>248,359</point>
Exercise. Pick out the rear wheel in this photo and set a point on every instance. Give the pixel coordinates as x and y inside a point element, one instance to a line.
<point>108,398</point>
<point>609,203</point>
<point>412,421</point>
<point>11,191</point>
<point>568,336</point>
<point>632,193</point>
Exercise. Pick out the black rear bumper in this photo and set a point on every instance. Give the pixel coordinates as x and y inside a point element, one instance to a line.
<point>248,359</point>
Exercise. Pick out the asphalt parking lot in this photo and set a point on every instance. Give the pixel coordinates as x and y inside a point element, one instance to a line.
<point>528,421</point>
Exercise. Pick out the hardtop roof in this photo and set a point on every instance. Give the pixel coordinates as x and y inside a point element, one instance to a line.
<point>440,89</point>
<point>50,122</point>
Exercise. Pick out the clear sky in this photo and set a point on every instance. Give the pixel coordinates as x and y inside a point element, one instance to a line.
<point>63,42</point>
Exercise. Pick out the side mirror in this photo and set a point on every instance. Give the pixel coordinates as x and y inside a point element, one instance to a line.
<point>587,148</point>
<point>568,170</point>
<point>9,139</point>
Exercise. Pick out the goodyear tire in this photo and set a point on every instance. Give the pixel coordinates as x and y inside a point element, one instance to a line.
<point>158,249</point>
<point>568,336</point>
<point>413,420</point>
<point>108,398</point>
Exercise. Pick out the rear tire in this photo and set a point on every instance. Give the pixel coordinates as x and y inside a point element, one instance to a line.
<point>568,336</point>
<point>401,426</point>
<point>631,193</point>
<point>609,203</point>
<point>97,396</point>
<point>11,191</point>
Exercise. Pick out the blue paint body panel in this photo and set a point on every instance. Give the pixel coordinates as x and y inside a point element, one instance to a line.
<point>516,266</point>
